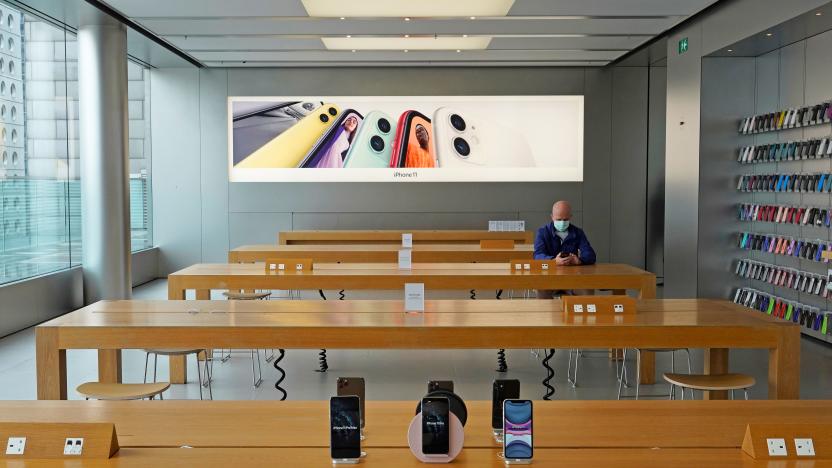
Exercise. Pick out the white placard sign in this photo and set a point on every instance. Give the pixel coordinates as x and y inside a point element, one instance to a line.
<point>407,240</point>
<point>405,259</point>
<point>414,297</point>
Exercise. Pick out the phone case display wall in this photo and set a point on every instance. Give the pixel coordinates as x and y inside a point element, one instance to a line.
<point>786,216</point>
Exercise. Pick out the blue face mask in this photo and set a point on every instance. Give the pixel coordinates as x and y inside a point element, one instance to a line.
<point>561,225</point>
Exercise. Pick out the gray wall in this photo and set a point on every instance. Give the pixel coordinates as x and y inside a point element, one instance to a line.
<point>198,214</point>
<point>735,20</point>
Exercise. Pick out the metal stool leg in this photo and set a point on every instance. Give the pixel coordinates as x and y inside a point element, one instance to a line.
<point>690,370</point>
<point>198,374</point>
<point>155,363</point>
<point>146,359</point>
<point>623,371</point>
<point>745,391</point>
<point>255,379</point>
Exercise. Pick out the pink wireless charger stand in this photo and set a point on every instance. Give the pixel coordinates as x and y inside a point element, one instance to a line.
<point>414,439</point>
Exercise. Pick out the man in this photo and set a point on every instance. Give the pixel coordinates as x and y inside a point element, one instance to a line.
<point>561,241</point>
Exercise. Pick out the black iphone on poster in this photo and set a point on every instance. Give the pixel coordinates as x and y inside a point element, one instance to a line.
<point>345,427</point>
<point>436,435</point>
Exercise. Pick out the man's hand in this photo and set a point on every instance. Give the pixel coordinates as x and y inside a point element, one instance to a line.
<point>574,259</point>
<point>563,261</point>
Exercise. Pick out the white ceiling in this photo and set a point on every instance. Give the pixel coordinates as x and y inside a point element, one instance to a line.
<point>252,33</point>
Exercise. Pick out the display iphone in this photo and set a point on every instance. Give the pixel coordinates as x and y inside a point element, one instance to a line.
<point>353,386</point>
<point>413,146</point>
<point>435,385</point>
<point>466,140</point>
<point>345,430</point>
<point>502,389</point>
<point>517,429</point>
<point>436,426</point>
<point>331,149</point>
<point>289,148</point>
<point>256,123</point>
<point>373,143</point>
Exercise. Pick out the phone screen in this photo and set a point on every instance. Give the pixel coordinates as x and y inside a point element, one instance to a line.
<point>502,390</point>
<point>517,430</point>
<point>436,436</point>
<point>344,426</point>
<point>331,150</point>
<point>418,142</point>
<point>353,386</point>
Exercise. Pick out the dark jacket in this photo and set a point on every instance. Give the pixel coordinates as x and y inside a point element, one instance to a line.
<point>547,244</point>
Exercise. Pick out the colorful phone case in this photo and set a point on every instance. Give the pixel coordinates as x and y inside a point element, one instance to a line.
<point>317,156</point>
<point>289,148</point>
<point>363,153</point>
<point>406,149</point>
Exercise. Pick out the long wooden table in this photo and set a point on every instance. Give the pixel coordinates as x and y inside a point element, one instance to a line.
<point>382,253</point>
<point>110,326</point>
<point>204,277</point>
<point>567,433</point>
<point>436,236</point>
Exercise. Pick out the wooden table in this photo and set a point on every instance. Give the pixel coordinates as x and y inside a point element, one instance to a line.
<point>382,253</point>
<point>567,433</point>
<point>395,237</point>
<point>110,326</point>
<point>204,277</point>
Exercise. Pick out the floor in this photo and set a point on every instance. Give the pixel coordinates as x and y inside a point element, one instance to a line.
<point>395,375</point>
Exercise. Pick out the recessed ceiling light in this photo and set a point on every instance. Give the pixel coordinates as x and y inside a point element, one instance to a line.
<point>769,34</point>
<point>407,35</point>
<point>348,36</point>
<point>473,17</point>
<point>343,17</point>
<point>818,14</point>
<point>405,50</point>
<point>730,50</point>
<point>464,35</point>
<point>409,43</point>
<point>458,51</point>
<point>407,19</point>
<point>353,50</point>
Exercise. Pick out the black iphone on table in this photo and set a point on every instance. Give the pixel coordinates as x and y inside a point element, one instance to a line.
<point>502,390</point>
<point>345,429</point>
<point>435,385</point>
<point>436,426</point>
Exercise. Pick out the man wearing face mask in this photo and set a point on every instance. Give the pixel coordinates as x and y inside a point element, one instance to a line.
<point>561,241</point>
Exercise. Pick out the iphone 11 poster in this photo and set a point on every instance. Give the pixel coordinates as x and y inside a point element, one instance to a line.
<point>406,139</point>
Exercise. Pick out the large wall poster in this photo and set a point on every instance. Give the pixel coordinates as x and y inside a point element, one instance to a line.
<point>386,139</point>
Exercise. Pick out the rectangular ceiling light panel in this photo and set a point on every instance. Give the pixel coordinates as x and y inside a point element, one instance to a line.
<point>406,43</point>
<point>406,8</point>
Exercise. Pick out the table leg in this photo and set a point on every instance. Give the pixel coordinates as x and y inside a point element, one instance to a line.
<point>51,365</point>
<point>175,291</point>
<point>716,362</point>
<point>109,365</point>
<point>784,366</point>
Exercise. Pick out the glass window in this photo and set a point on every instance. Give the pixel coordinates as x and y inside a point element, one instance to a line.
<point>40,196</point>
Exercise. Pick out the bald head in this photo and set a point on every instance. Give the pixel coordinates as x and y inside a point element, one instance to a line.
<point>561,211</point>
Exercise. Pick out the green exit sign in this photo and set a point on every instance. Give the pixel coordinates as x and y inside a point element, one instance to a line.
<point>683,45</point>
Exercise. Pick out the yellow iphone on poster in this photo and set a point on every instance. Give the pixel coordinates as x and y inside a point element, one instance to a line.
<point>289,148</point>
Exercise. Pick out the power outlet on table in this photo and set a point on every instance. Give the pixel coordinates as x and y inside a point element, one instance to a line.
<point>16,446</point>
<point>776,447</point>
<point>578,308</point>
<point>804,447</point>
<point>73,446</point>
<point>590,308</point>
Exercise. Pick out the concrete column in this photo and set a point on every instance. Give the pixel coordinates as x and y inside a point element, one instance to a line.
<point>105,195</point>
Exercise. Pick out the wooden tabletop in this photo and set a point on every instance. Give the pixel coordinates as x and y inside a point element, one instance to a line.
<point>453,236</point>
<point>557,424</point>
<point>446,323</point>
<point>380,253</point>
<point>207,276</point>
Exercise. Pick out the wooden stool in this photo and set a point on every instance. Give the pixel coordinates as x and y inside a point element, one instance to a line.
<point>180,352</point>
<point>246,296</point>
<point>121,391</point>
<point>710,382</point>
